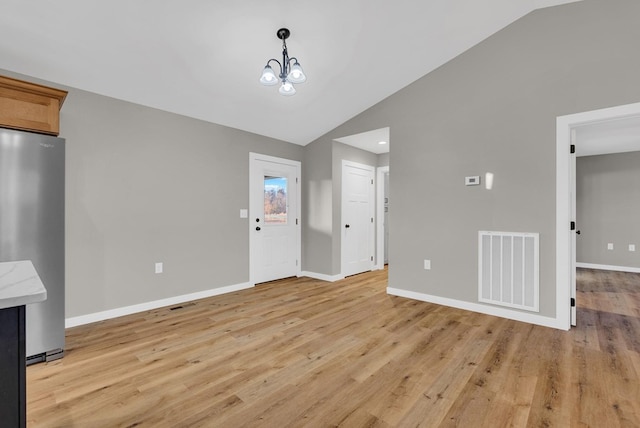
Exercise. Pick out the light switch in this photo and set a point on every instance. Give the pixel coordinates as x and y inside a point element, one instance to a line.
<point>159,267</point>
<point>427,264</point>
<point>609,246</point>
<point>244,213</point>
<point>632,247</point>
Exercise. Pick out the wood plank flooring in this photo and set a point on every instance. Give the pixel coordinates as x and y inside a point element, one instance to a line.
<point>306,353</point>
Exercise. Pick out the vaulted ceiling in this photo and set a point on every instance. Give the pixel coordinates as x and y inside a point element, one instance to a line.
<point>203,58</point>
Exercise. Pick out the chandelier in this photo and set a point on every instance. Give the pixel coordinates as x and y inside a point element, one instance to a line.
<point>289,74</point>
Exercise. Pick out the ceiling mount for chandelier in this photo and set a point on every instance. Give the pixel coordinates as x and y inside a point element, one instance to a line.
<point>290,69</point>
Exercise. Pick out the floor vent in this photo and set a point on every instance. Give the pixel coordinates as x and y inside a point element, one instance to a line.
<point>184,305</point>
<point>508,269</point>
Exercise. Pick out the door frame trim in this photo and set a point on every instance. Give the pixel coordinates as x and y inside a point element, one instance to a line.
<point>381,171</point>
<point>564,124</point>
<point>253,157</point>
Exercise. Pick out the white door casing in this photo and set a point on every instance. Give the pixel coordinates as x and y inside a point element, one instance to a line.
<point>358,216</point>
<point>381,238</point>
<point>572,200</point>
<point>565,186</point>
<point>274,218</point>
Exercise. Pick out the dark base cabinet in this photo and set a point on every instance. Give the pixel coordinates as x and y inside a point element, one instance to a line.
<point>13,392</point>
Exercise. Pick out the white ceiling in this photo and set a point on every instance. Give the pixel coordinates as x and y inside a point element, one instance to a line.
<point>203,58</point>
<point>610,136</point>
<point>370,141</point>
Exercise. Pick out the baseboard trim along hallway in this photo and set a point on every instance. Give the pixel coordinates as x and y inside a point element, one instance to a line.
<point>480,308</point>
<point>608,267</point>
<point>322,276</point>
<point>147,306</point>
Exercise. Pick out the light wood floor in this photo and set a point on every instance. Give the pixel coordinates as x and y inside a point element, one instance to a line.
<point>301,352</point>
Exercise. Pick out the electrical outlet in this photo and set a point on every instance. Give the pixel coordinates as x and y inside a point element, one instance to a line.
<point>632,247</point>
<point>427,264</point>
<point>159,267</point>
<point>609,246</point>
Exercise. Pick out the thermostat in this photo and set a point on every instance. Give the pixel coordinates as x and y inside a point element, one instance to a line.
<point>472,180</point>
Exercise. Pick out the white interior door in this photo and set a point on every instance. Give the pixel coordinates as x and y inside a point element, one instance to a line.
<point>274,219</point>
<point>572,199</point>
<point>358,207</point>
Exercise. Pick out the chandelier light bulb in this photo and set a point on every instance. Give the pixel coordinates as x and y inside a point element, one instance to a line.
<point>287,89</point>
<point>296,75</point>
<point>268,77</point>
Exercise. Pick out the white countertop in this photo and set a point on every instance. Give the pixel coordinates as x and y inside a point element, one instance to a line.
<point>20,284</point>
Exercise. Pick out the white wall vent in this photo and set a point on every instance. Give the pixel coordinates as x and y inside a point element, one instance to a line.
<point>508,269</point>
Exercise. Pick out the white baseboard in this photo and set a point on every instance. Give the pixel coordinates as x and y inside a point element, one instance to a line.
<point>480,308</point>
<point>322,276</point>
<point>608,267</point>
<point>147,306</point>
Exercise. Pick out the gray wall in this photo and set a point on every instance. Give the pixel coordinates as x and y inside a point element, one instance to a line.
<point>494,109</point>
<point>608,209</point>
<point>317,225</point>
<point>146,186</point>
<point>383,159</point>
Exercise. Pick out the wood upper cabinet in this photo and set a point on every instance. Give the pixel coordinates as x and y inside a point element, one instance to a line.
<point>30,107</point>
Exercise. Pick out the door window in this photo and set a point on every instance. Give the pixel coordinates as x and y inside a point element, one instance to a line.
<point>275,200</point>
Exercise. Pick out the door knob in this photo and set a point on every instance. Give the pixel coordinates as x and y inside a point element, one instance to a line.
<point>347,226</point>
<point>258,228</point>
<point>577,232</point>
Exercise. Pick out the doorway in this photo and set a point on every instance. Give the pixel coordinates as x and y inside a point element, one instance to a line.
<point>376,141</point>
<point>274,218</point>
<point>565,202</point>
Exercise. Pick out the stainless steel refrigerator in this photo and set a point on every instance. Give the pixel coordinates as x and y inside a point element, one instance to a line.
<point>32,228</point>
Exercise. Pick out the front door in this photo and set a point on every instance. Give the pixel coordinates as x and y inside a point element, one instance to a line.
<point>358,245</point>
<point>274,219</point>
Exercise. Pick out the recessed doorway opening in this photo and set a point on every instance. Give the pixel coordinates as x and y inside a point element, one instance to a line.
<point>377,141</point>
<point>567,145</point>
